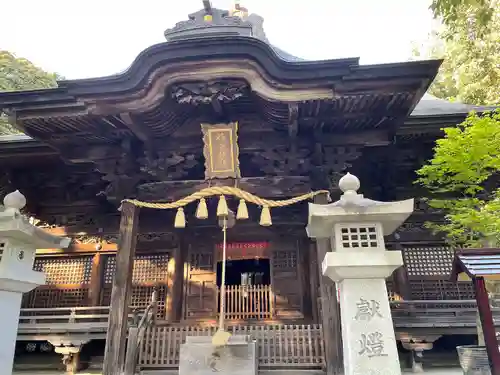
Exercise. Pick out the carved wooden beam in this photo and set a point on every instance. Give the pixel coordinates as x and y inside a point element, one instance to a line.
<point>288,186</point>
<point>217,107</point>
<point>141,132</point>
<point>293,114</point>
<point>259,140</point>
<point>349,116</point>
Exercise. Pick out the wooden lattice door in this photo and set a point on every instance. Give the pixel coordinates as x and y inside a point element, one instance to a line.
<point>200,283</point>
<point>286,280</point>
<point>67,282</point>
<point>150,272</point>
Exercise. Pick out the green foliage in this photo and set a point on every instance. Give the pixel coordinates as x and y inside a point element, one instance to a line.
<point>20,74</point>
<point>452,12</point>
<point>471,51</point>
<point>465,162</point>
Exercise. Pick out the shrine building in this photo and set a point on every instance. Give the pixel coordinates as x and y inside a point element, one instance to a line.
<point>217,105</point>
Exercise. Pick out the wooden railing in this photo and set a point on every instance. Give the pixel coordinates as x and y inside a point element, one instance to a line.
<point>64,319</point>
<point>279,346</point>
<point>40,318</point>
<point>410,313</point>
<point>247,302</point>
<point>437,313</point>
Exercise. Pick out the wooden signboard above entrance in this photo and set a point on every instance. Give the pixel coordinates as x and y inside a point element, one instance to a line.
<point>244,250</point>
<point>221,150</point>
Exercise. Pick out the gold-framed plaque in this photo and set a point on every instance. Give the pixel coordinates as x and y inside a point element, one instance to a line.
<point>221,150</point>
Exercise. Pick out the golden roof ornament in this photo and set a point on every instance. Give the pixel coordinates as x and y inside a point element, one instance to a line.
<point>239,11</point>
<point>210,21</point>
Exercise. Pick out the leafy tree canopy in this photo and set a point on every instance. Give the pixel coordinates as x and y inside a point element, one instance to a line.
<point>466,164</point>
<point>471,69</point>
<point>20,74</point>
<point>453,12</point>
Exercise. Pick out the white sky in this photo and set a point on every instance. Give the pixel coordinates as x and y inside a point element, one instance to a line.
<point>93,38</point>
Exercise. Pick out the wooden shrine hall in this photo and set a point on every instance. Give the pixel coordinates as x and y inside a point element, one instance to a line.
<point>218,106</point>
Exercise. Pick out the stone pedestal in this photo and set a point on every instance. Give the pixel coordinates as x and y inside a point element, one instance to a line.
<point>359,264</point>
<point>198,356</point>
<point>367,330</point>
<point>417,345</point>
<point>18,243</point>
<point>70,352</point>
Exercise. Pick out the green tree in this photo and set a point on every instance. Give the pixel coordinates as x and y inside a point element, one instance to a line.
<point>465,170</point>
<point>463,176</point>
<point>471,51</point>
<point>20,74</point>
<point>452,12</point>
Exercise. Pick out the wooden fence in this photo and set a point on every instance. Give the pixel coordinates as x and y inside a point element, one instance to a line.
<point>245,302</point>
<point>279,346</point>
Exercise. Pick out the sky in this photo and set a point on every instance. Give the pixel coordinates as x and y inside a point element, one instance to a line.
<point>92,38</point>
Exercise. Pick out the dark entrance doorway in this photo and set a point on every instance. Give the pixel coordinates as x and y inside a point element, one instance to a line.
<point>245,272</point>
<point>248,289</point>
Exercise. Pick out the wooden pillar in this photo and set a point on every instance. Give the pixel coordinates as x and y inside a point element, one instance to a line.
<point>314,281</point>
<point>114,352</point>
<point>176,270</point>
<point>483,305</point>
<point>330,309</point>
<point>303,271</point>
<point>96,278</point>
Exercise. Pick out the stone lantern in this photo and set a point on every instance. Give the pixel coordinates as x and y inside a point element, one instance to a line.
<point>18,243</point>
<point>359,263</point>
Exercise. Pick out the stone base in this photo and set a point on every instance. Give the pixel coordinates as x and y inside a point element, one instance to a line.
<point>199,357</point>
<point>367,328</point>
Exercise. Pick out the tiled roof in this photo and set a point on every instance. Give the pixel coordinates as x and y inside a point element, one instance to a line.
<point>477,262</point>
<point>431,106</point>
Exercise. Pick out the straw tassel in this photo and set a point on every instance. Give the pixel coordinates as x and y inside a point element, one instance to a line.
<point>265,217</point>
<point>242,213</point>
<point>222,209</point>
<point>220,338</point>
<point>180,218</point>
<point>202,210</point>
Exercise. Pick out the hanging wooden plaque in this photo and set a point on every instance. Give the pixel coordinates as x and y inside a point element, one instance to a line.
<point>221,150</point>
<point>243,250</point>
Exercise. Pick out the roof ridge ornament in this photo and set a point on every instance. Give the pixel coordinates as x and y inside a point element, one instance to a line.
<point>209,21</point>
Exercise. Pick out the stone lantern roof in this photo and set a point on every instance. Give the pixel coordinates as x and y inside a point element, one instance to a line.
<point>15,226</point>
<point>354,207</point>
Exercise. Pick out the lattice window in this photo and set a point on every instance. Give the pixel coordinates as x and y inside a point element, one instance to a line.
<point>428,261</point>
<point>55,297</point>
<point>65,270</point>
<point>140,297</point>
<point>285,259</point>
<point>109,269</point>
<point>356,236</point>
<point>2,248</point>
<point>441,290</point>
<point>148,269</point>
<point>201,261</point>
